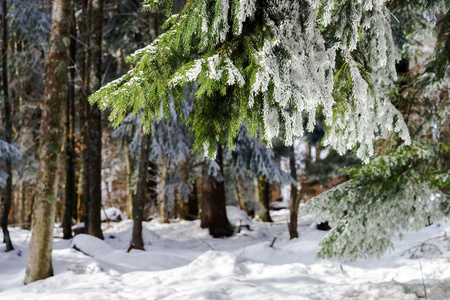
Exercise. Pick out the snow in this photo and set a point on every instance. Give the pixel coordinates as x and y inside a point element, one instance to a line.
<point>182,261</point>
<point>113,214</point>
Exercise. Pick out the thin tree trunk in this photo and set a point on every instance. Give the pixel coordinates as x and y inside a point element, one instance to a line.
<point>83,185</point>
<point>95,130</point>
<point>214,213</point>
<point>263,199</point>
<point>128,191</point>
<point>294,203</point>
<point>23,207</point>
<point>6,203</point>
<point>163,209</point>
<point>39,263</point>
<point>70,143</point>
<point>139,199</point>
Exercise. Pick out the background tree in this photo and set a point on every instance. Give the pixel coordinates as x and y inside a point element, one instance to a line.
<point>94,125</point>
<point>39,263</point>
<point>6,200</point>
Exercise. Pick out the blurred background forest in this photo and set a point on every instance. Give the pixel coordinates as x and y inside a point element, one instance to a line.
<point>102,167</point>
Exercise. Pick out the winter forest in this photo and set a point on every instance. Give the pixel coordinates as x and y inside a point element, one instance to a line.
<point>225,149</point>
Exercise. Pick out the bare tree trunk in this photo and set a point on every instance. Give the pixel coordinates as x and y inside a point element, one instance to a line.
<point>263,199</point>
<point>23,207</point>
<point>6,203</point>
<point>163,209</point>
<point>128,191</point>
<point>188,210</point>
<point>95,129</point>
<point>214,213</point>
<point>83,184</point>
<point>295,201</point>
<point>70,143</point>
<point>139,199</point>
<point>39,263</point>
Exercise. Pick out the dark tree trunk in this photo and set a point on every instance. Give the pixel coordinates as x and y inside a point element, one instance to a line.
<point>6,203</point>
<point>70,143</point>
<point>295,200</point>
<point>95,129</point>
<point>189,209</point>
<point>214,213</point>
<point>139,199</point>
<point>264,199</point>
<point>83,27</point>
<point>39,263</point>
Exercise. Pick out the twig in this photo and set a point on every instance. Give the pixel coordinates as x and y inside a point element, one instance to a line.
<point>130,247</point>
<point>423,281</point>
<point>273,241</point>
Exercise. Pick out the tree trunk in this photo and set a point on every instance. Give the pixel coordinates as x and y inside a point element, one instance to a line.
<point>23,207</point>
<point>128,191</point>
<point>214,213</point>
<point>70,143</point>
<point>188,210</point>
<point>163,209</point>
<point>139,199</point>
<point>295,201</point>
<point>83,185</point>
<point>95,130</point>
<point>39,263</point>
<point>263,199</point>
<point>6,203</point>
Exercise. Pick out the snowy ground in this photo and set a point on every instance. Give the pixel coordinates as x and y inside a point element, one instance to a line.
<point>182,261</point>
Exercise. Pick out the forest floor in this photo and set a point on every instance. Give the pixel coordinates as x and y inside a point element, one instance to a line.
<point>182,261</point>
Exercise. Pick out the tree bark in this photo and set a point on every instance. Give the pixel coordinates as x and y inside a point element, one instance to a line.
<point>128,191</point>
<point>188,210</point>
<point>214,213</point>
<point>163,209</point>
<point>263,199</point>
<point>95,129</point>
<point>83,108</point>
<point>295,201</point>
<point>6,203</point>
<point>39,263</point>
<point>139,199</point>
<point>70,142</point>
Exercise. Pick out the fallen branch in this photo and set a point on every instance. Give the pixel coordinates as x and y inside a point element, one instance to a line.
<point>273,241</point>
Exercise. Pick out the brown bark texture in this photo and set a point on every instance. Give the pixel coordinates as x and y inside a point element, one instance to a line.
<point>95,128</point>
<point>39,263</point>
<point>295,200</point>
<point>70,141</point>
<point>139,199</point>
<point>6,201</point>
<point>264,199</point>
<point>214,213</point>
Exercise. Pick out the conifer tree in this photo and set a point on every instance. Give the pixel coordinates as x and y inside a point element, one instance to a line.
<point>405,187</point>
<point>266,63</point>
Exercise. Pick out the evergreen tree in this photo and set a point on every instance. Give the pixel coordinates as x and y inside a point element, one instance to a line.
<point>266,63</point>
<point>405,187</point>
